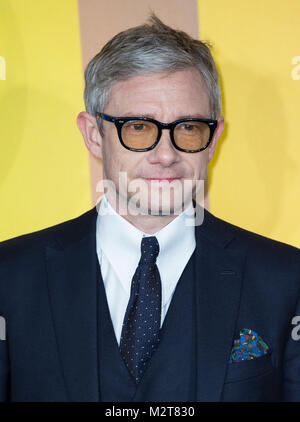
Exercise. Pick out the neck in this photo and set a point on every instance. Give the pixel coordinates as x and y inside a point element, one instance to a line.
<point>149,224</point>
<point>145,222</point>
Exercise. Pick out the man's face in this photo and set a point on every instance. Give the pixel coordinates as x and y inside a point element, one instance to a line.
<point>164,97</point>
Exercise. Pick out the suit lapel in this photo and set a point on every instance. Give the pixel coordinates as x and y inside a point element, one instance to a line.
<point>71,264</point>
<point>218,281</point>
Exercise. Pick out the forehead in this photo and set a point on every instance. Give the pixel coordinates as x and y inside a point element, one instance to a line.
<point>181,93</point>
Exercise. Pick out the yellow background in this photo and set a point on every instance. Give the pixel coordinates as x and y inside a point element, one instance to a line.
<point>44,169</point>
<point>255,175</point>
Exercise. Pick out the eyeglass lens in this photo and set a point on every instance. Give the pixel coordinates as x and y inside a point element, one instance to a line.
<point>142,134</point>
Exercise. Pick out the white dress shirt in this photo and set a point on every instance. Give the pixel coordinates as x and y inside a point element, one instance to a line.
<point>119,250</point>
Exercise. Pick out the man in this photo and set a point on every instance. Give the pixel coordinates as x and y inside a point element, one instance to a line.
<point>130,301</point>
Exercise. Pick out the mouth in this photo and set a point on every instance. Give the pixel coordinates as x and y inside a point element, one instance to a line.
<point>160,179</point>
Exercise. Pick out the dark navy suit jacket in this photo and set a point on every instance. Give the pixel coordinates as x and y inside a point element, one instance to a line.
<point>47,297</point>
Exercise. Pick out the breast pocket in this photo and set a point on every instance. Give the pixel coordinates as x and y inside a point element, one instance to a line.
<point>252,380</point>
<point>246,369</point>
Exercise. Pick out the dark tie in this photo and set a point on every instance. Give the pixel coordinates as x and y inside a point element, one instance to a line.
<point>140,331</point>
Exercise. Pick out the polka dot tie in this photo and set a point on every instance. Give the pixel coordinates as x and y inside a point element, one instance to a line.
<point>140,331</point>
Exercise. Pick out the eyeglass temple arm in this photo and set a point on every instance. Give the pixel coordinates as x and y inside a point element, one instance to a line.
<point>105,117</point>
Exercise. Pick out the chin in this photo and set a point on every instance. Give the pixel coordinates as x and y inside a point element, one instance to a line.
<point>162,206</point>
<point>162,199</point>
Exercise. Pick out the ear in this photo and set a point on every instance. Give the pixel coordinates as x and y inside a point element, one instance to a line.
<point>88,127</point>
<point>217,134</point>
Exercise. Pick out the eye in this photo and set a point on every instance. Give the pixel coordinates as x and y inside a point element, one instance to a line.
<point>138,126</point>
<point>188,127</point>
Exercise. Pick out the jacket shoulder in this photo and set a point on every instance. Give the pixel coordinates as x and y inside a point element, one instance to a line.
<point>30,242</point>
<point>254,243</point>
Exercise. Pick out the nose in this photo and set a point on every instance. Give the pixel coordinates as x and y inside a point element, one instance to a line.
<point>164,153</point>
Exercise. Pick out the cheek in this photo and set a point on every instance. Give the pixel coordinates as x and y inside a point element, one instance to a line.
<point>198,166</point>
<point>110,162</point>
<point>111,152</point>
<point>117,159</point>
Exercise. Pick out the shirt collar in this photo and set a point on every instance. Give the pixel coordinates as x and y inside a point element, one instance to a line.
<point>120,241</point>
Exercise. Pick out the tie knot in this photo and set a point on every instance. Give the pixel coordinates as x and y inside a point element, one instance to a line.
<point>149,248</point>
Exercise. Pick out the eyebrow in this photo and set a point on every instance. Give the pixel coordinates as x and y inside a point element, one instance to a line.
<point>138,115</point>
<point>191,116</point>
<point>151,116</point>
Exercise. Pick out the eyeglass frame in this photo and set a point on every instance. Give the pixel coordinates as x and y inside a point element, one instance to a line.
<point>119,122</point>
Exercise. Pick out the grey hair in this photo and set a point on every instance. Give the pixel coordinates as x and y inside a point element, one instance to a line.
<point>144,50</point>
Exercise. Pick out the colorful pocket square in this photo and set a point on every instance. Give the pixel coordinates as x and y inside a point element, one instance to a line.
<point>249,346</point>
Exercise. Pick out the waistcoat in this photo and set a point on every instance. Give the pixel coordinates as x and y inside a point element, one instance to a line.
<point>171,372</point>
